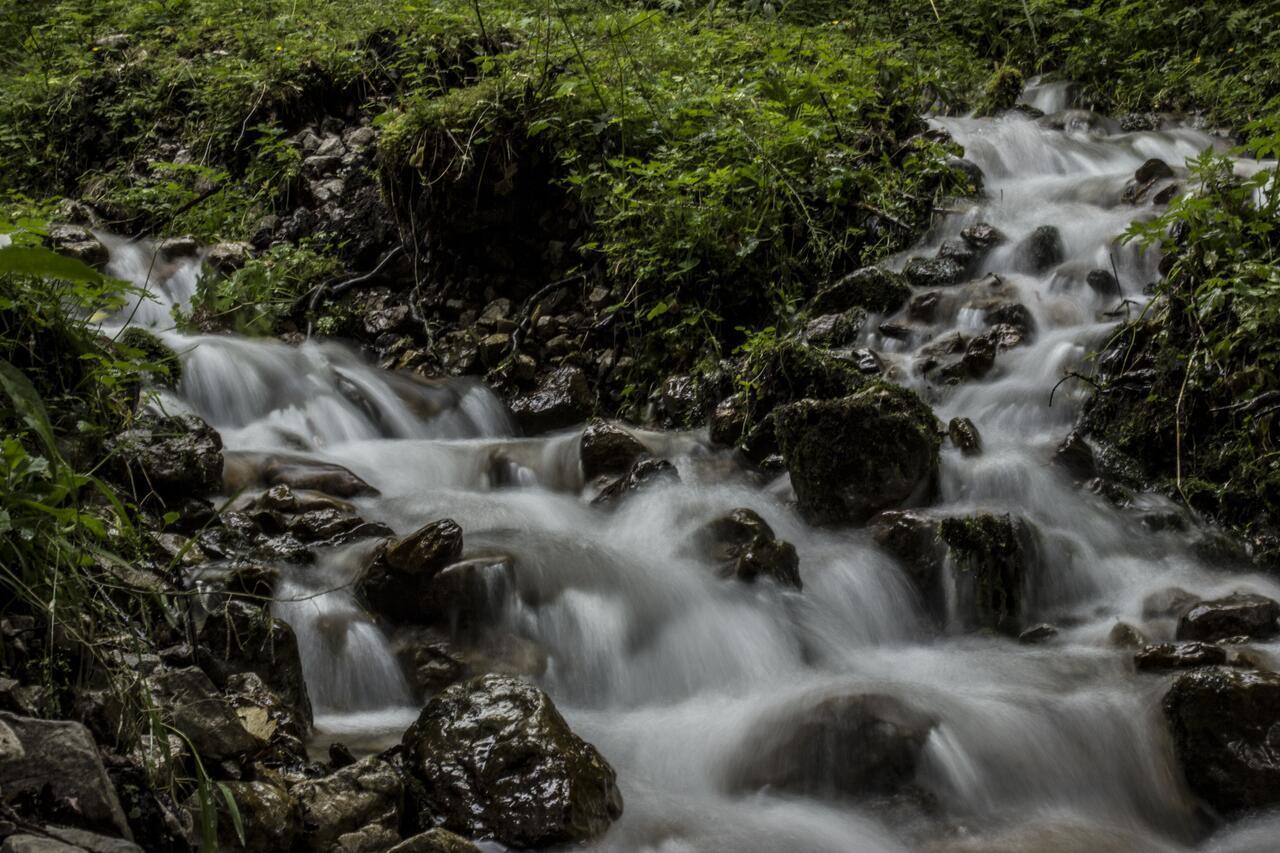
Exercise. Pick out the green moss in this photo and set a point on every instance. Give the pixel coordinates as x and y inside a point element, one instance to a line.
<point>994,552</point>
<point>1001,92</point>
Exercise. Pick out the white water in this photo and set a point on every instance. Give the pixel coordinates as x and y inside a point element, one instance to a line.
<point>669,669</point>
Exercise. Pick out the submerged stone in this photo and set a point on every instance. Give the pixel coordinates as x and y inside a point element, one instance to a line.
<point>840,746</point>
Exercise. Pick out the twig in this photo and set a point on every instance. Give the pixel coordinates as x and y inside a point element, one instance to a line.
<point>1071,374</point>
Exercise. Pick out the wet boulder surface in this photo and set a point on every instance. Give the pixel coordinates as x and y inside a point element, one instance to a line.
<point>844,745</point>
<point>852,457</point>
<point>1225,727</point>
<point>495,759</point>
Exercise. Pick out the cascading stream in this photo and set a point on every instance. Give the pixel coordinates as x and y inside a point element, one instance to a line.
<point>670,670</point>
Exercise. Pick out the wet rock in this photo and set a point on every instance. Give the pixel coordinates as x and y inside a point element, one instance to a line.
<point>268,813</point>
<point>975,362</point>
<point>195,709</point>
<point>367,794</point>
<point>493,348</point>
<point>175,457</point>
<point>834,330</point>
<point>435,841</point>
<point>266,715</point>
<point>1170,602</point>
<point>912,537</point>
<point>971,172</point>
<point>496,760</point>
<point>934,272</point>
<point>1013,314</point>
<point>608,449</point>
<point>1075,456</point>
<point>993,556</point>
<point>729,420</point>
<point>388,318</point>
<point>1041,250</point>
<point>960,252</point>
<point>837,746</point>
<point>427,549</point>
<point>853,457</point>
<point>1237,615</point>
<point>871,289</point>
<point>981,236</point>
<point>1125,636</point>
<point>243,637</point>
<point>1037,634</point>
<point>58,760</point>
<point>924,307</point>
<point>178,248</point>
<point>470,592</point>
<point>398,582</point>
<point>1153,170</point>
<point>745,547</point>
<point>79,243</point>
<point>677,400</point>
<point>1225,730</point>
<point>964,435</point>
<point>868,362</point>
<point>226,258</point>
<point>296,472</point>
<point>1103,283</point>
<point>1168,656</point>
<point>644,474</point>
<point>561,400</point>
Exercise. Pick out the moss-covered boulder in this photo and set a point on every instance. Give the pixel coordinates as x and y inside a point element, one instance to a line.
<point>871,288</point>
<point>1223,725</point>
<point>852,457</point>
<point>1001,92</point>
<point>992,556</point>
<point>495,760</point>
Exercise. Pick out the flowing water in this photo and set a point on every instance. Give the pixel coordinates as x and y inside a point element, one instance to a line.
<point>670,670</point>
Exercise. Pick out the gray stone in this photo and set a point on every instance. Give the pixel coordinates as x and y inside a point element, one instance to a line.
<point>62,757</point>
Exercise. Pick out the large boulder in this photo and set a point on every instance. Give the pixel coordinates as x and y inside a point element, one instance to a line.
<point>174,457</point>
<point>1237,615</point>
<point>349,802</point>
<point>496,760</point>
<point>853,457</point>
<point>847,745</point>
<point>561,400</point>
<point>871,288</point>
<point>1225,726</point>
<point>44,758</point>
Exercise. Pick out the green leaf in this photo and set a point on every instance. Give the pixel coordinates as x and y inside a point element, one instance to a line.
<point>26,400</point>
<point>42,263</point>
<point>236,820</point>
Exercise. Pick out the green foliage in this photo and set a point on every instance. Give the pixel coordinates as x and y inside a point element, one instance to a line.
<point>1207,427</point>
<point>256,298</point>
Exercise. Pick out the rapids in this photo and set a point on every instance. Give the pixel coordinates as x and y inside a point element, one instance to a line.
<point>668,669</point>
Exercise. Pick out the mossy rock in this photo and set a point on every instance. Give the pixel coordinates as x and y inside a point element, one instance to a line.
<point>871,288</point>
<point>1001,92</point>
<point>852,457</point>
<point>992,555</point>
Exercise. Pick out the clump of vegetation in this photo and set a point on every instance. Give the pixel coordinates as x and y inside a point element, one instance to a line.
<point>1192,390</point>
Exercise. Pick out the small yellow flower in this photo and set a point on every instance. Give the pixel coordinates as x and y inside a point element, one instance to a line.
<point>280,47</point>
